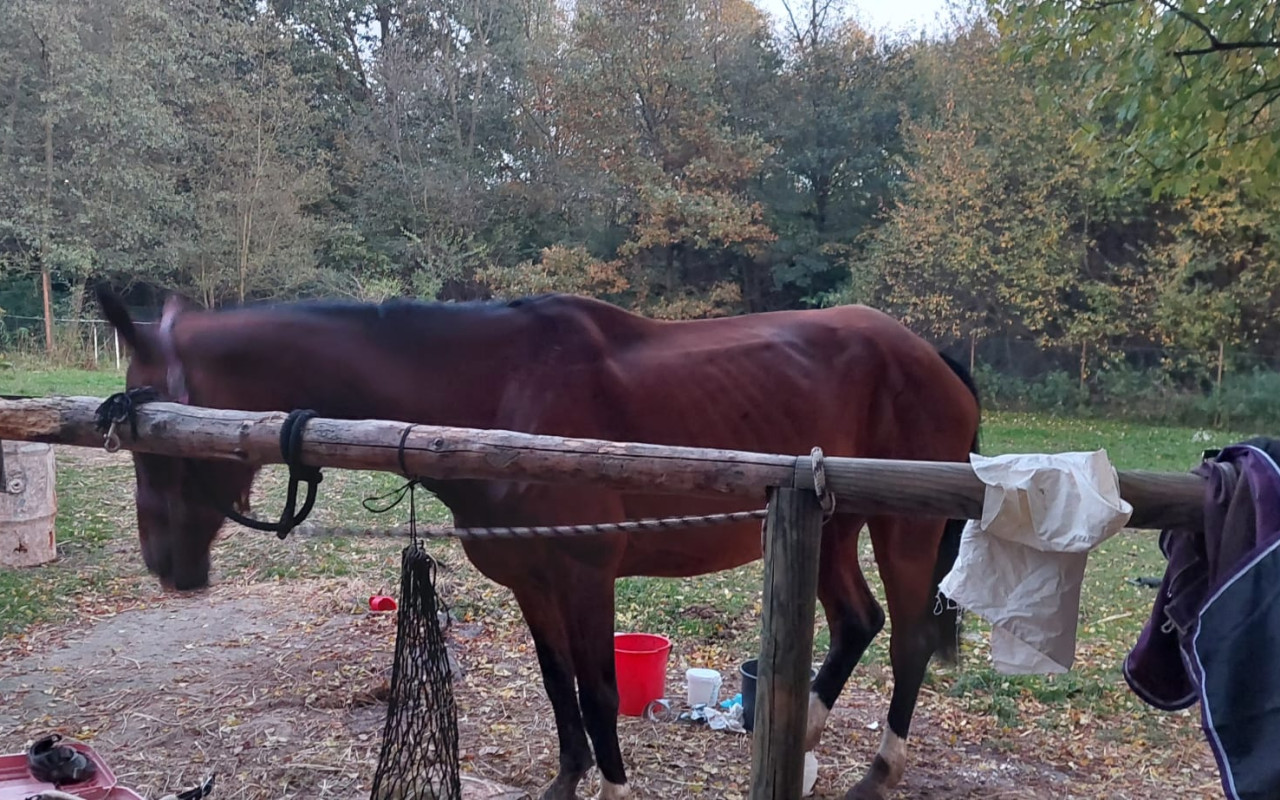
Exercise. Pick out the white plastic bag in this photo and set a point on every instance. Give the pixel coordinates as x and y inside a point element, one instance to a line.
<point>1021,567</point>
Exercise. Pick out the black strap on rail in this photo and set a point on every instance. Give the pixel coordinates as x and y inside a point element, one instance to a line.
<point>291,452</point>
<point>122,407</point>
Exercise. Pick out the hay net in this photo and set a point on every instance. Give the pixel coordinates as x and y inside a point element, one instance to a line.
<point>419,757</point>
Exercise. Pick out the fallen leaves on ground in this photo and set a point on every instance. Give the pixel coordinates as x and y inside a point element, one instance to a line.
<point>278,683</point>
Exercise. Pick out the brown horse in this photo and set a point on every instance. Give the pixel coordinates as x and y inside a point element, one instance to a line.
<point>850,380</point>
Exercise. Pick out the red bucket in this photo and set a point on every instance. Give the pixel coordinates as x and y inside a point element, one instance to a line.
<point>641,663</point>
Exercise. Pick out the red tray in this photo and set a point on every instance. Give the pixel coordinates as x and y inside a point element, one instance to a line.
<point>17,783</point>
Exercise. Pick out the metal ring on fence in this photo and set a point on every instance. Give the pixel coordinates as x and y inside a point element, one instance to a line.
<point>111,442</point>
<point>826,498</point>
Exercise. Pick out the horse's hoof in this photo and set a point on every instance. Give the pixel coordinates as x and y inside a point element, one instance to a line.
<point>611,791</point>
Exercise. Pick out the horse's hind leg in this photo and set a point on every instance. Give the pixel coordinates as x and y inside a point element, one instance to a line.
<point>853,618</point>
<point>906,551</point>
<point>544,615</point>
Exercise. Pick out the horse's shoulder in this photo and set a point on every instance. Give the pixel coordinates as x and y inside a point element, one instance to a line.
<point>567,303</point>
<point>581,318</point>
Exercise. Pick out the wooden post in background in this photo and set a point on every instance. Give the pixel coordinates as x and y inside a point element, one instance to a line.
<point>792,543</point>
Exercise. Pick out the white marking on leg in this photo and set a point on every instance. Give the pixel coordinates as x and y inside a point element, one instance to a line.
<point>818,713</point>
<point>894,752</point>
<point>613,791</point>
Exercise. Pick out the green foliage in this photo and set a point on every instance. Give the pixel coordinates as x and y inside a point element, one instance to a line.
<point>1049,171</point>
<point>1216,274</point>
<point>1246,399</point>
<point>992,230</point>
<point>1185,90</point>
<point>840,102</point>
<point>89,142</point>
<point>645,103</point>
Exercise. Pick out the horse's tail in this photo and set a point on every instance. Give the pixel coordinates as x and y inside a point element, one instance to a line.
<point>947,619</point>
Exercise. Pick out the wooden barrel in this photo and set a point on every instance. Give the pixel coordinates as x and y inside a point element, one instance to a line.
<point>28,505</point>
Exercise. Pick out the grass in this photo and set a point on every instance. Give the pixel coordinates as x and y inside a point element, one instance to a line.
<point>85,527</point>
<point>24,376</point>
<point>711,618</point>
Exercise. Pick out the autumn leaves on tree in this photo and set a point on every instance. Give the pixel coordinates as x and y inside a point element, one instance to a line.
<point>1092,176</point>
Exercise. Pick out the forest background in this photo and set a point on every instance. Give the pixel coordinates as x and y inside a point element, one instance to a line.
<point>1079,199</point>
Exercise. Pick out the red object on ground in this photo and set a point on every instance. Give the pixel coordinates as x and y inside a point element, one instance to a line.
<point>17,783</point>
<point>641,663</point>
<point>380,602</point>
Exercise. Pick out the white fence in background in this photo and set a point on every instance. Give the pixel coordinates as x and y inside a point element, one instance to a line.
<point>101,337</point>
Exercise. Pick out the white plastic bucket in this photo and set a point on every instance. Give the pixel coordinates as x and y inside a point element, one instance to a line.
<point>703,686</point>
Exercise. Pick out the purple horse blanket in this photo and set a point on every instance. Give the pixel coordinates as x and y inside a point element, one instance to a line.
<point>1214,631</point>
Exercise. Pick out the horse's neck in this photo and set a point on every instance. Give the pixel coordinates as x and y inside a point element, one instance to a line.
<point>441,371</point>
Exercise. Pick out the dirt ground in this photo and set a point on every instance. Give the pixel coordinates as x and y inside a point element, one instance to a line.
<point>276,687</point>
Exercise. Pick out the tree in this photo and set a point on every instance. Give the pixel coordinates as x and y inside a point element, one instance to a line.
<point>437,149</point>
<point>643,102</point>
<point>836,126</point>
<point>254,168</point>
<point>1189,88</point>
<point>1216,276</point>
<point>996,231</point>
<point>90,140</point>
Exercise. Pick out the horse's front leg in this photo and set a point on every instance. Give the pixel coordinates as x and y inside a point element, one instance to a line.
<point>547,625</point>
<point>593,658</point>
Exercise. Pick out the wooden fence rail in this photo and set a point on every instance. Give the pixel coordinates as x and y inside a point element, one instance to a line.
<point>865,486</point>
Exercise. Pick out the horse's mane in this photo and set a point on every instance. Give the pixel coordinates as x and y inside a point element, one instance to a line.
<point>398,320</point>
<point>393,306</point>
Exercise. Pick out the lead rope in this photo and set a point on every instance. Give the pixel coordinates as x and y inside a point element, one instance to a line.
<point>291,452</point>
<point>397,495</point>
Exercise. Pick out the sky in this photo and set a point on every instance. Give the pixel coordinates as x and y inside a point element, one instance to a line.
<point>878,15</point>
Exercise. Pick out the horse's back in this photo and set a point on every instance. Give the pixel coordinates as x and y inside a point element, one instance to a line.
<point>850,379</point>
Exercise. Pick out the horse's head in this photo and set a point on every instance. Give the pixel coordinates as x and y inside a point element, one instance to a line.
<point>178,499</point>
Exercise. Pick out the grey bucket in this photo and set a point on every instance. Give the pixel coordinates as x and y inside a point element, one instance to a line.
<point>748,674</point>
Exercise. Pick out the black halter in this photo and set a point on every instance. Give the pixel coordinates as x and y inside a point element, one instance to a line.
<point>122,407</point>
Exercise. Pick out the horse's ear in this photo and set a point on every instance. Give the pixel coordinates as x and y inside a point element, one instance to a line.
<point>116,314</point>
<point>180,302</point>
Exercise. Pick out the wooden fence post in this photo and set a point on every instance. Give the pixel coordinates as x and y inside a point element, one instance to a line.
<point>792,542</point>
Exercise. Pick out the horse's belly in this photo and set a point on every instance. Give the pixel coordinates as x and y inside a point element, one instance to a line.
<point>682,552</point>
